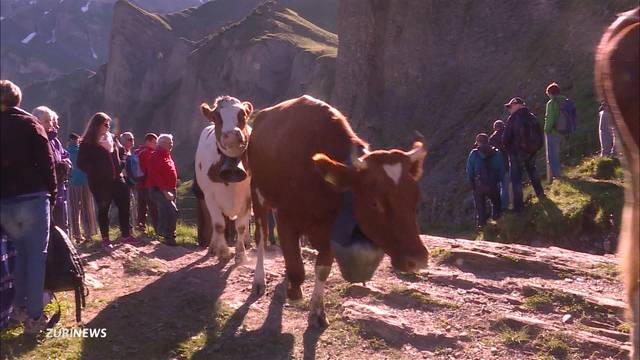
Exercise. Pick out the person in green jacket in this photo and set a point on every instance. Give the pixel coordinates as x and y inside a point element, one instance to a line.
<point>552,136</point>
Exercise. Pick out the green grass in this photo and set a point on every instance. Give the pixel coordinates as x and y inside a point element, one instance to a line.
<point>608,270</point>
<point>563,302</point>
<point>625,327</point>
<point>577,208</point>
<point>140,265</point>
<point>440,255</point>
<point>514,338</point>
<point>602,168</point>
<point>420,297</point>
<point>554,344</point>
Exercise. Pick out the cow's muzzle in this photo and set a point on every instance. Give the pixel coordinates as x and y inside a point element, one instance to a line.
<point>232,169</point>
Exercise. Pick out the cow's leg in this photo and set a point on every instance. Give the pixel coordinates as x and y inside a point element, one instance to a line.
<point>259,281</point>
<point>319,239</point>
<point>242,228</point>
<point>290,245</point>
<point>218,245</point>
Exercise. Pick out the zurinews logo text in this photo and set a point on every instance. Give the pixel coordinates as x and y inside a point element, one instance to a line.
<point>76,332</point>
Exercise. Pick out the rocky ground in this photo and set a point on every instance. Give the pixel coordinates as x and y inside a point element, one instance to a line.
<point>477,300</point>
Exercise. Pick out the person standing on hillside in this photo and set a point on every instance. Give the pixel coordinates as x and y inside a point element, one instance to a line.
<point>495,140</point>
<point>606,131</point>
<point>49,120</point>
<point>552,136</point>
<point>128,141</point>
<point>163,182</point>
<point>522,139</point>
<point>28,188</point>
<point>144,201</point>
<point>81,205</point>
<point>101,157</point>
<point>485,171</point>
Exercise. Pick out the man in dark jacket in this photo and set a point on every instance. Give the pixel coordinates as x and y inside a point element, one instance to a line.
<point>495,140</point>
<point>27,191</point>
<point>485,170</point>
<point>521,155</point>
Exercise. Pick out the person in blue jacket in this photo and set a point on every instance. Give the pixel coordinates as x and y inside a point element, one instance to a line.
<point>485,171</point>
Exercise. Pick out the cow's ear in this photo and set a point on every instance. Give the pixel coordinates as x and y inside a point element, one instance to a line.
<point>248,108</point>
<point>207,111</point>
<point>336,174</point>
<point>416,157</point>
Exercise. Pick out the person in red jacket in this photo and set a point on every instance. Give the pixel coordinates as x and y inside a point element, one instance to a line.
<point>163,179</point>
<point>144,202</point>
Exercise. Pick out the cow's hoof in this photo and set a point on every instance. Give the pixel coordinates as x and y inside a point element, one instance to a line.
<point>258,289</point>
<point>294,293</point>
<point>211,251</point>
<point>223,254</point>
<point>241,258</point>
<point>318,320</point>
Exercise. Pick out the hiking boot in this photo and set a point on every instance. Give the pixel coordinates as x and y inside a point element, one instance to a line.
<point>107,244</point>
<point>35,326</point>
<point>18,315</point>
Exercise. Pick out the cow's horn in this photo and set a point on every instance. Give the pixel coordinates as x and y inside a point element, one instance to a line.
<point>418,152</point>
<point>356,160</point>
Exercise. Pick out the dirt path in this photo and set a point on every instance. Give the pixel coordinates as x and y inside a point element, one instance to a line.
<point>477,300</point>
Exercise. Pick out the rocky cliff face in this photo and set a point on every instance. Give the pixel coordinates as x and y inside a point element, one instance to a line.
<point>155,79</point>
<point>44,39</point>
<point>47,38</point>
<point>446,68</point>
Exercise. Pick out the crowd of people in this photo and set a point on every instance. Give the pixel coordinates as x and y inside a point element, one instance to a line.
<point>497,163</point>
<point>45,184</point>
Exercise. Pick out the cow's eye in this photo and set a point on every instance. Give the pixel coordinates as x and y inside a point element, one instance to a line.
<point>377,205</point>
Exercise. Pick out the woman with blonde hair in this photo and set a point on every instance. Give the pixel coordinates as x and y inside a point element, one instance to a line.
<point>101,157</point>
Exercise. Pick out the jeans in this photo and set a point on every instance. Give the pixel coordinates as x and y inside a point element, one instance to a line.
<point>553,153</point>
<point>144,203</point>
<point>25,220</point>
<point>504,191</point>
<point>480,201</point>
<point>167,214</point>
<point>517,168</point>
<point>118,192</point>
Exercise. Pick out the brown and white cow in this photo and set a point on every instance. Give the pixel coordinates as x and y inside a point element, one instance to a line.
<point>297,157</point>
<point>229,203</point>
<point>617,76</point>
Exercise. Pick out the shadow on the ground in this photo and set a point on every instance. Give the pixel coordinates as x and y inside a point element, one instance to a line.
<point>267,342</point>
<point>154,321</point>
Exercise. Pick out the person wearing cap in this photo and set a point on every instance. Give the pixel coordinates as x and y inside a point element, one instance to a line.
<point>81,205</point>
<point>485,171</point>
<point>520,160</point>
<point>552,136</point>
<point>495,140</point>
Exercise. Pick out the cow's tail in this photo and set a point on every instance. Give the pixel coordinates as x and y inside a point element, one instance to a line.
<point>260,216</point>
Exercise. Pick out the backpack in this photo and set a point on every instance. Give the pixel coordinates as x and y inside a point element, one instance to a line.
<point>135,174</point>
<point>64,270</point>
<point>485,178</point>
<point>566,122</point>
<point>530,137</point>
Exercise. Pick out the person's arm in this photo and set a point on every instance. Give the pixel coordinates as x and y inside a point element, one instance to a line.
<point>470,172</point>
<point>169,178</point>
<point>85,163</point>
<point>550,116</point>
<point>507,135</point>
<point>44,158</point>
